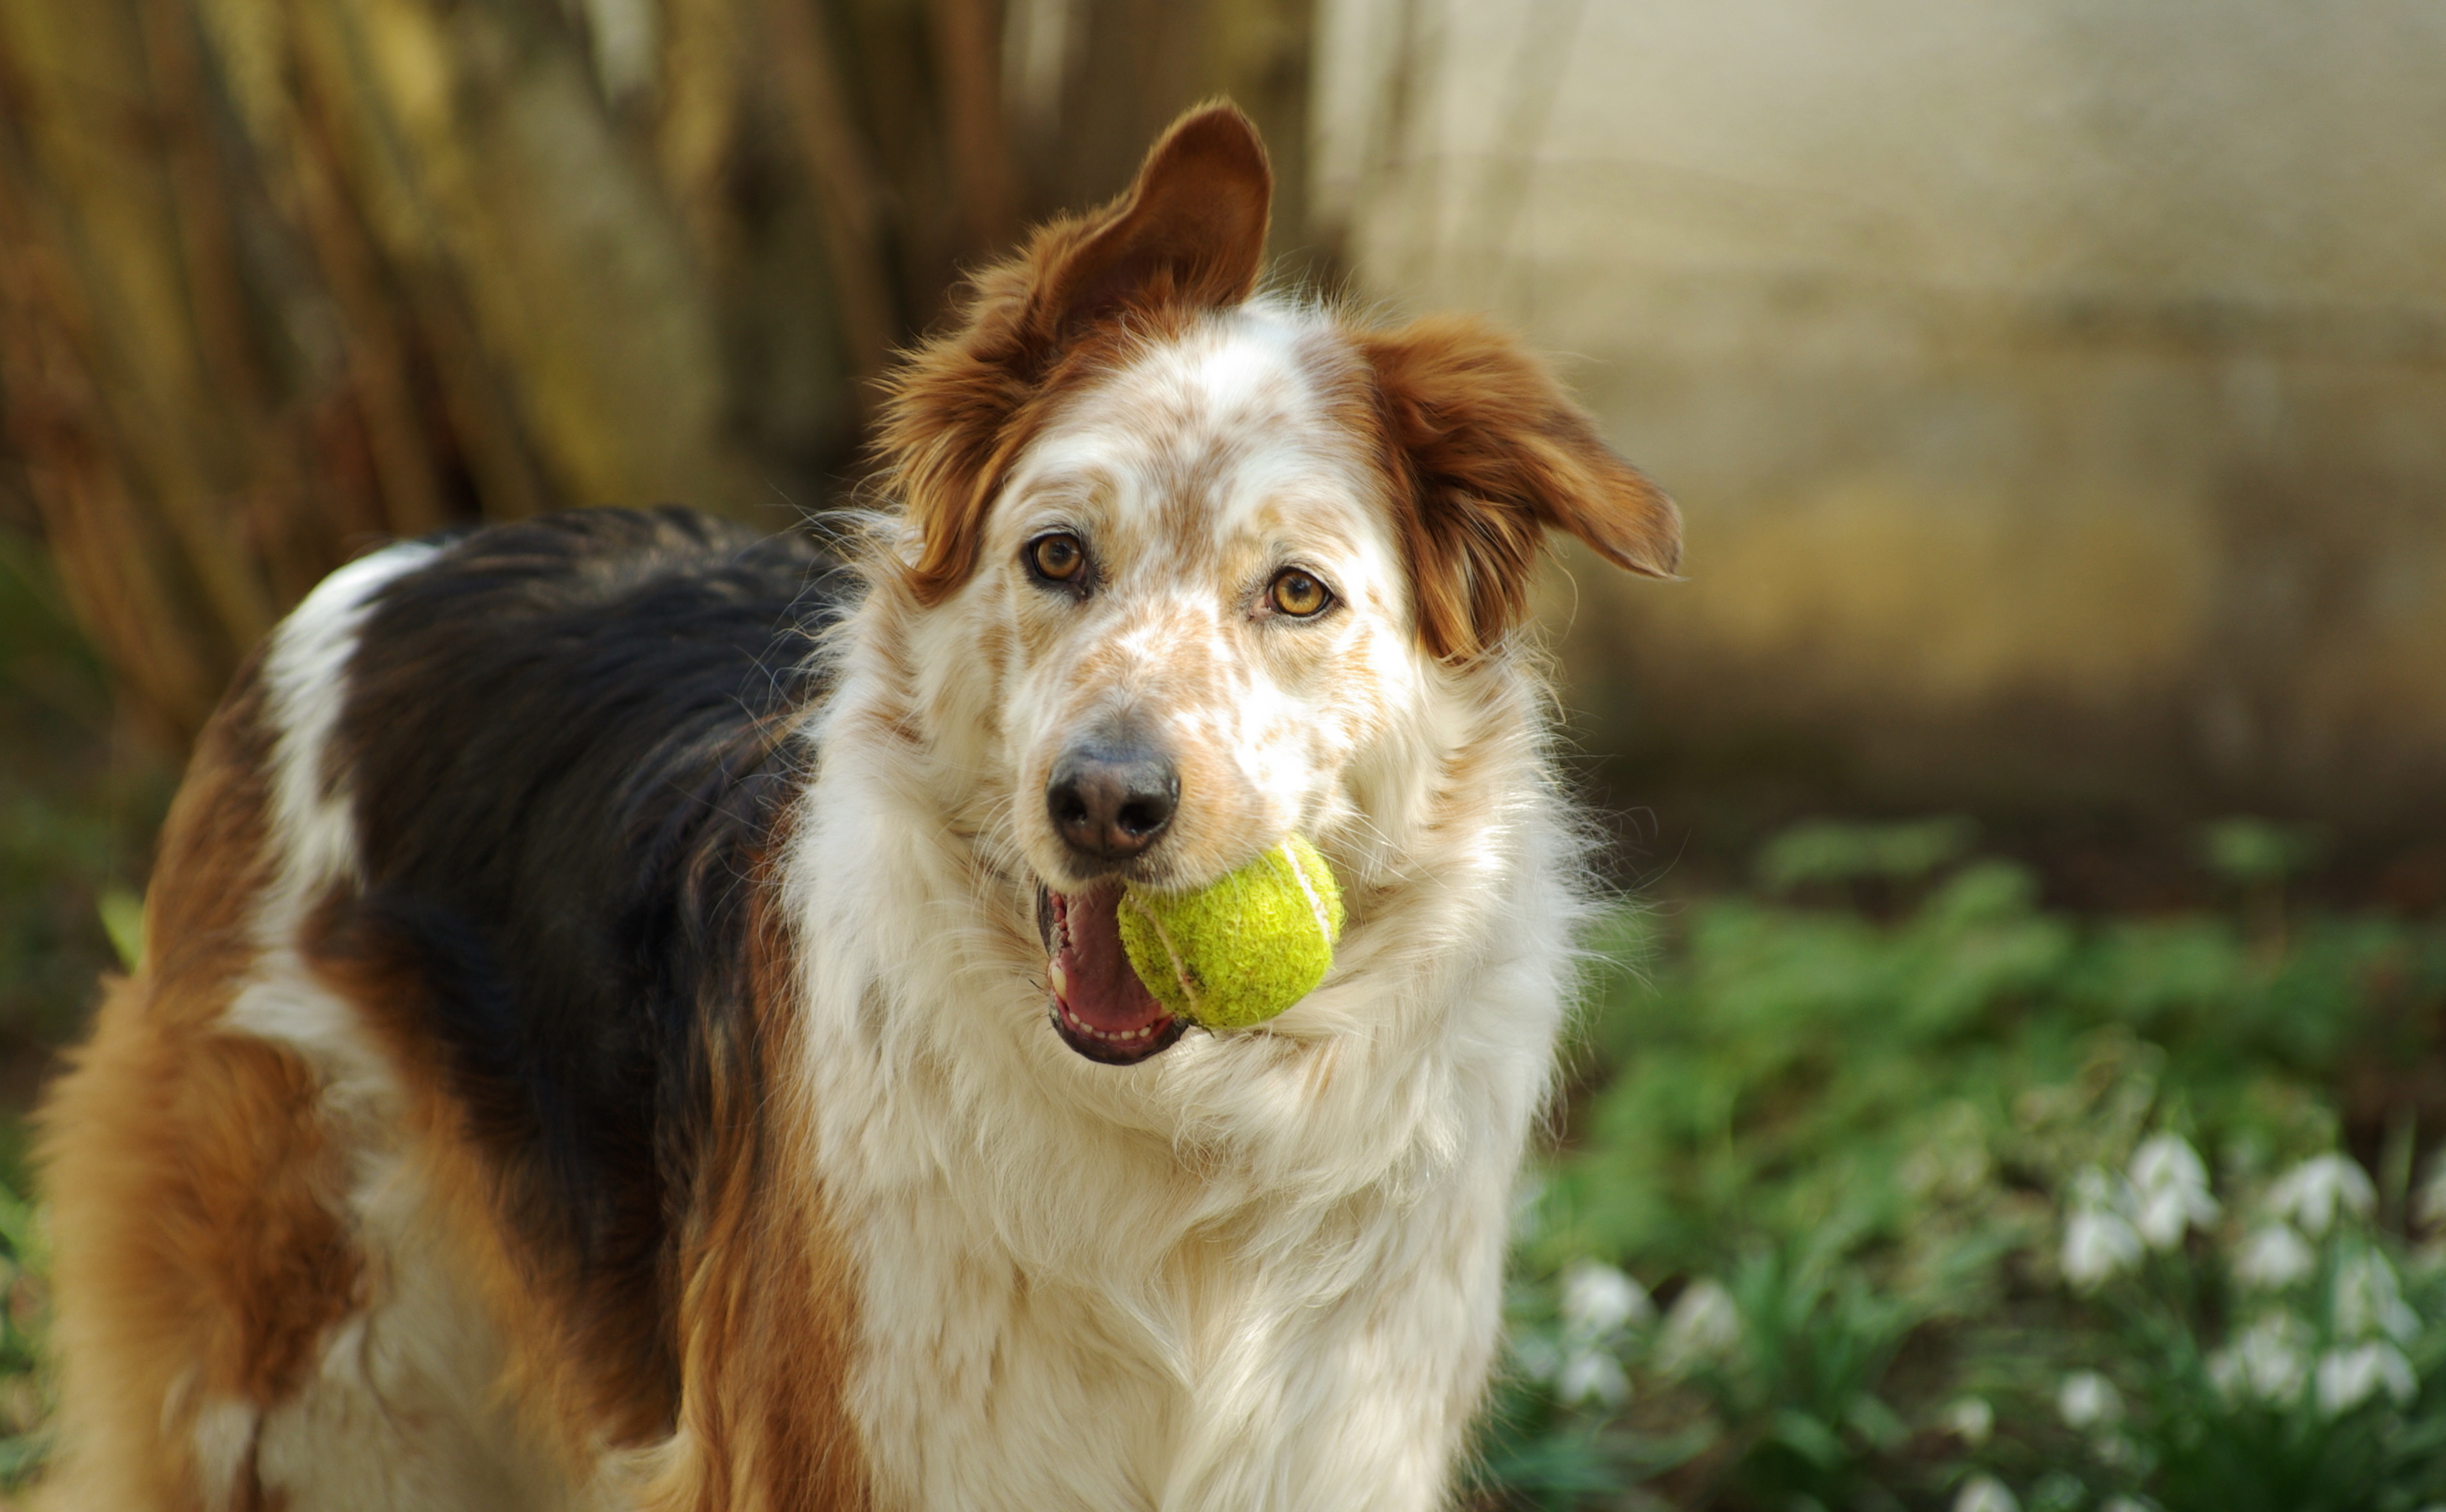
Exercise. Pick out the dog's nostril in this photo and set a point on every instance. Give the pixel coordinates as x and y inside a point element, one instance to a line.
<point>1112,801</point>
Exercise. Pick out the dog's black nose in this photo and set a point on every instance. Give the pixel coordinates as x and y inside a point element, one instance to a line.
<point>1111,801</point>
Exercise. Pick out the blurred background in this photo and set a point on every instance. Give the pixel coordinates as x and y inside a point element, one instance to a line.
<point>2045,760</point>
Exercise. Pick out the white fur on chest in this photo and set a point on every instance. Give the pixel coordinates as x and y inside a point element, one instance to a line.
<point>1258,1271</point>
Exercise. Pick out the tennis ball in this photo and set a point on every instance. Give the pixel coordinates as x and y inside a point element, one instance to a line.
<point>1243,949</point>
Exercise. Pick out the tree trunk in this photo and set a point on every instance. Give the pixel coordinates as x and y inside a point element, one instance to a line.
<point>279,278</point>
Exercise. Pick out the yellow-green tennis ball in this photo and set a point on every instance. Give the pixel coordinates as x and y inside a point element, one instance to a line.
<point>1242,951</point>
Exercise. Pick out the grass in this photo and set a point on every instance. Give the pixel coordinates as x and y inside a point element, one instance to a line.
<point>1867,1202</point>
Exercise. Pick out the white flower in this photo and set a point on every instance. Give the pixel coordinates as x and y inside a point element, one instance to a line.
<point>1970,1419</point>
<point>2097,1244</point>
<point>2274,1256</point>
<point>2267,1361</point>
<point>1703,1325</point>
<point>1985,1493</point>
<point>2349,1377</point>
<point>2311,1192</point>
<point>2124,1504</point>
<point>1593,1375</point>
<point>1598,1301</point>
<point>2369,1300</point>
<point>2170,1189</point>
<point>2088,1400</point>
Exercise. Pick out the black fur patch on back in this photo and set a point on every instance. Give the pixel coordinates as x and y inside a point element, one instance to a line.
<point>566,745</point>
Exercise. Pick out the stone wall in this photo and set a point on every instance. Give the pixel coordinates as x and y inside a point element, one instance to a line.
<point>2055,388</point>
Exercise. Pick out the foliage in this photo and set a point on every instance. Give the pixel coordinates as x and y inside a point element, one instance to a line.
<point>426,264</point>
<point>70,813</point>
<point>2276,1350</point>
<point>25,1394</point>
<point>1900,1148</point>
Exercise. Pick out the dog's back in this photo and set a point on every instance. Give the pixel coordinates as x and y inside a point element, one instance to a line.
<point>476,832</point>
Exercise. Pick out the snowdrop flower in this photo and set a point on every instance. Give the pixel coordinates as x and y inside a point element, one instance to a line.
<point>2274,1256</point>
<point>2099,1240</point>
<point>1598,1301</point>
<point>1970,1419</point>
<point>2170,1188</point>
<point>2267,1361</point>
<point>1592,1376</point>
<point>2088,1400</point>
<point>2096,1246</point>
<point>2311,1192</point>
<point>2349,1377</point>
<point>1703,1325</point>
<point>1985,1493</point>
<point>2369,1300</point>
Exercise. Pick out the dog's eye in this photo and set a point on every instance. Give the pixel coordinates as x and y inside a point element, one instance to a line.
<point>1058,557</point>
<point>1298,594</point>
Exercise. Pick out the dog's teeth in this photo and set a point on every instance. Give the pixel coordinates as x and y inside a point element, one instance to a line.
<point>1060,978</point>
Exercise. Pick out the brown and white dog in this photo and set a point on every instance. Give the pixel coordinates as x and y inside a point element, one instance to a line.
<point>594,1046</point>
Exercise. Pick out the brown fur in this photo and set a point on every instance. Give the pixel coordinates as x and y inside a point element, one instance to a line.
<point>1482,450</point>
<point>190,1172</point>
<point>766,1319</point>
<point>761,1290</point>
<point>559,1368</point>
<point>1188,234</point>
<point>1487,454</point>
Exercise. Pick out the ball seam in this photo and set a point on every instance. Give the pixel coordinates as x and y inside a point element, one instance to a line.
<point>1163,938</point>
<point>1315,904</point>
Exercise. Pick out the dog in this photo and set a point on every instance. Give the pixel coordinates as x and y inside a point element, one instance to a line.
<point>595,1044</point>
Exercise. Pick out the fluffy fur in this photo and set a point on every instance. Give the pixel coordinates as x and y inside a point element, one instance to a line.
<point>593,1049</point>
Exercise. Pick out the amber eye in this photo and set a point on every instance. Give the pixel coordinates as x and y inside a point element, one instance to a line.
<point>1059,556</point>
<point>1299,595</point>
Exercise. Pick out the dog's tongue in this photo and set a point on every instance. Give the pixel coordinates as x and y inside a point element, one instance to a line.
<point>1093,984</point>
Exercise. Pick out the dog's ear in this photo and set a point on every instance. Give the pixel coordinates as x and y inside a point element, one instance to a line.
<point>1488,453</point>
<point>1188,234</point>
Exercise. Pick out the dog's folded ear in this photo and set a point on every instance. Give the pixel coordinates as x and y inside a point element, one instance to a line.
<point>1488,455</point>
<point>1188,234</point>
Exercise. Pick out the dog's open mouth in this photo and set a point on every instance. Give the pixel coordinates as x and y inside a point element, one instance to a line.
<point>1099,1007</point>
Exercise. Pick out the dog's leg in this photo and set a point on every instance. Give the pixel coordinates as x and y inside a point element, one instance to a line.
<point>192,1192</point>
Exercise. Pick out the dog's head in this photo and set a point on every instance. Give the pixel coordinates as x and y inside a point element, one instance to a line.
<point>1204,555</point>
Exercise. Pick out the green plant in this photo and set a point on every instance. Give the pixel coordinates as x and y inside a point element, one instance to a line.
<point>24,1392</point>
<point>2274,1351</point>
<point>1837,1123</point>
